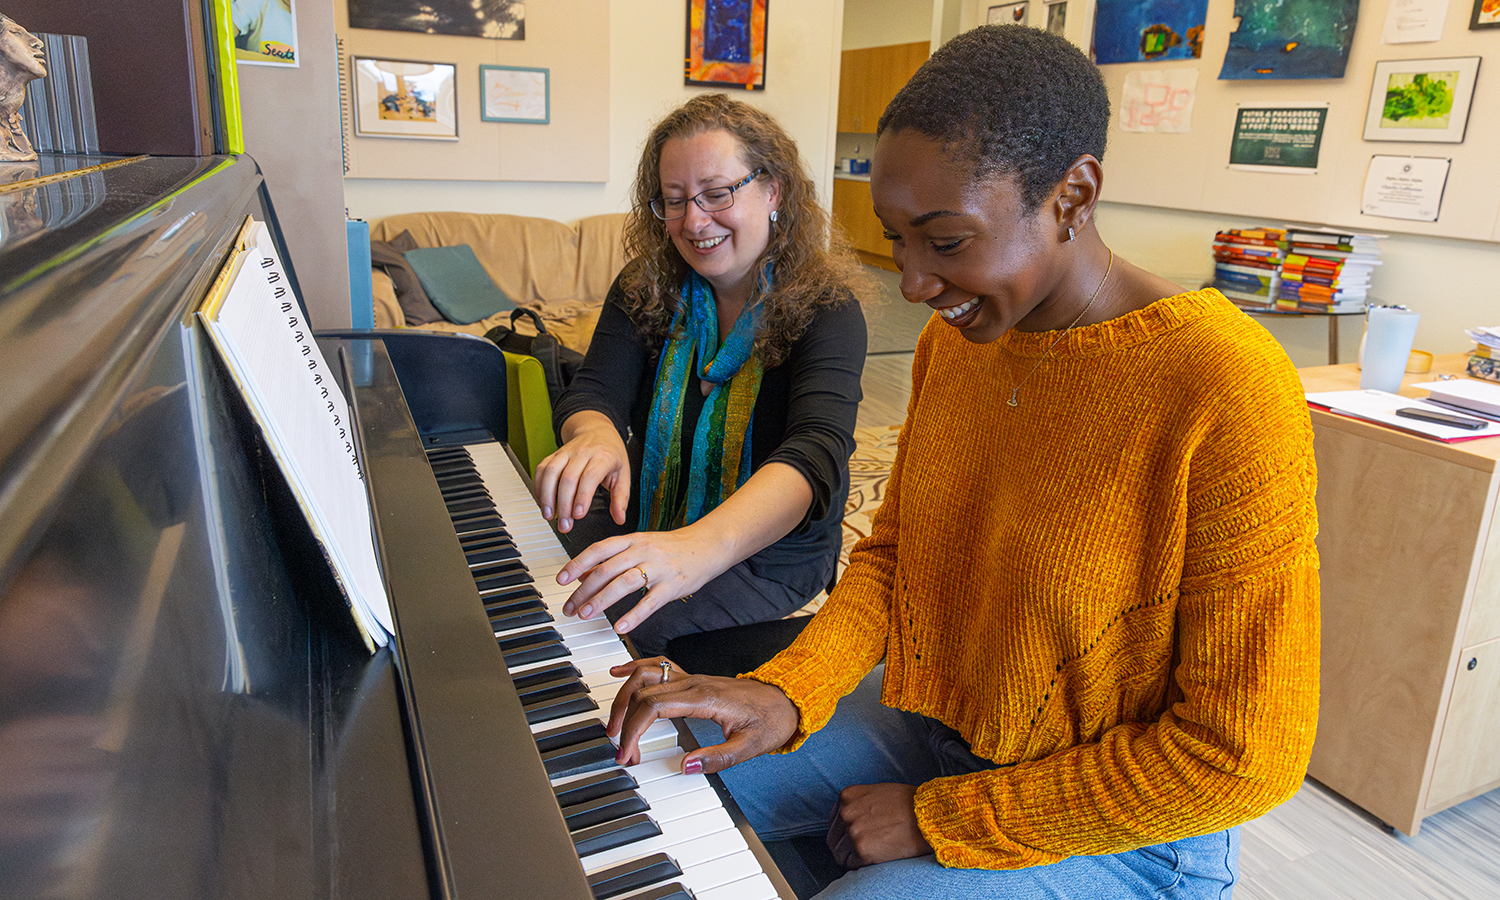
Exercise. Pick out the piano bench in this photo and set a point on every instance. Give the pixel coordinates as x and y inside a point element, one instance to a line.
<point>730,651</point>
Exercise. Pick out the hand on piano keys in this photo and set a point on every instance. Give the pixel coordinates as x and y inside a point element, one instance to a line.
<point>642,832</point>
<point>756,717</point>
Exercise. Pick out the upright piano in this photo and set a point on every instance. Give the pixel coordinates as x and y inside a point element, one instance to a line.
<point>186,707</point>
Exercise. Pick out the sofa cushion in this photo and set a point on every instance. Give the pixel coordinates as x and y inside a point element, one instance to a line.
<point>387,257</point>
<point>457,284</point>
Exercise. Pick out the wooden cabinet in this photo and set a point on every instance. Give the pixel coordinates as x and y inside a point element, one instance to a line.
<point>869,77</point>
<point>855,213</point>
<point>1410,577</point>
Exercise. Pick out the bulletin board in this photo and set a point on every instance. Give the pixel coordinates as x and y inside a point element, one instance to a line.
<point>1190,171</point>
<point>567,38</point>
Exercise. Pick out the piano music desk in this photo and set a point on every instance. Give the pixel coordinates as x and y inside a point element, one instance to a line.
<point>1410,572</point>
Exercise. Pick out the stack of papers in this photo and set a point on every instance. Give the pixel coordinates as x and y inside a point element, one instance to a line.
<point>1380,406</point>
<point>1468,398</point>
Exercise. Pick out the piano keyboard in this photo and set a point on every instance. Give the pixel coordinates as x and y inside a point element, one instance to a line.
<point>646,832</point>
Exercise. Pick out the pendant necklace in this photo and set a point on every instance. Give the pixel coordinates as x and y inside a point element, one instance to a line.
<point>1076,319</point>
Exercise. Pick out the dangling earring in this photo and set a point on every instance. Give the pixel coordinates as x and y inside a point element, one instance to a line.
<point>773,217</point>
<point>1071,235</point>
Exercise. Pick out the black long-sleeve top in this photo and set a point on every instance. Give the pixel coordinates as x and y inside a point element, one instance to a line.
<point>804,417</point>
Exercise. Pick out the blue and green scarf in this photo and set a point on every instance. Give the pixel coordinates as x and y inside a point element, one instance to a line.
<point>721,442</point>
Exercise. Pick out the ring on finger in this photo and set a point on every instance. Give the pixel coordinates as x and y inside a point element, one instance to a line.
<point>666,671</point>
<point>645,579</point>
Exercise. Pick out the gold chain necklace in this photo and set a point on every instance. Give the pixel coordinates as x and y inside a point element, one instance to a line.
<point>1076,319</point>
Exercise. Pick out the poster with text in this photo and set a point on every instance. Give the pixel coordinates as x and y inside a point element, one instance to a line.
<point>1279,138</point>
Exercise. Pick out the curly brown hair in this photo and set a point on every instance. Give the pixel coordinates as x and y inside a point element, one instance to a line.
<point>812,265</point>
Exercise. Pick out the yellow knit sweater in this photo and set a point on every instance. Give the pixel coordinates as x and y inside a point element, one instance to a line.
<point>1110,589</point>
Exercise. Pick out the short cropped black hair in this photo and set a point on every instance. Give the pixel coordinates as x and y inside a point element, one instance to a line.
<point>1016,101</point>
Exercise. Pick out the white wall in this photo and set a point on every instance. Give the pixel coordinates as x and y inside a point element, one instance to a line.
<point>645,72</point>
<point>880,23</point>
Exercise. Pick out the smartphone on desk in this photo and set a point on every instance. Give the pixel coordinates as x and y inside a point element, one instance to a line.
<point>1440,418</point>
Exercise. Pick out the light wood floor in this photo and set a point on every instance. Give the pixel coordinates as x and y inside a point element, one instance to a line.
<point>1317,846</point>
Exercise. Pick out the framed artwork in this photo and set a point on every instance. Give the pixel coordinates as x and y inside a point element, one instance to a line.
<point>1009,14</point>
<point>514,94</point>
<point>405,98</point>
<point>726,44</point>
<point>1057,17</point>
<point>1486,14</point>
<point>1424,100</point>
<point>501,20</point>
<point>265,32</point>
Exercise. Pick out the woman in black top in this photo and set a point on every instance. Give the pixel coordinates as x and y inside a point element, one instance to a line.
<point>716,404</point>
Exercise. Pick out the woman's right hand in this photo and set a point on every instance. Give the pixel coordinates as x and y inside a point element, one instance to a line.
<point>756,717</point>
<point>592,455</point>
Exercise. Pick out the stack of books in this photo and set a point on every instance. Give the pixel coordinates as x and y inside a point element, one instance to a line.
<point>1484,360</point>
<point>1325,271</point>
<point>1247,264</point>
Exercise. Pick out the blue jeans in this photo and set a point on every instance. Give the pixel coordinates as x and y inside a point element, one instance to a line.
<point>865,742</point>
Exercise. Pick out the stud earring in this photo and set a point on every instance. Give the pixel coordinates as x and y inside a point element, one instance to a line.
<point>1071,235</point>
<point>773,217</point>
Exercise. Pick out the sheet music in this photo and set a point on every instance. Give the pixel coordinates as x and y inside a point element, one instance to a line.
<point>255,322</point>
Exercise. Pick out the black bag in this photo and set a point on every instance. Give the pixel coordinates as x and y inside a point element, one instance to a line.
<point>559,363</point>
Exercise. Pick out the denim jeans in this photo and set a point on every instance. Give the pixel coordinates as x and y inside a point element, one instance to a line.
<point>865,742</point>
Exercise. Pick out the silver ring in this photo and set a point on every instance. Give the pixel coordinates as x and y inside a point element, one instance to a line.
<point>645,580</point>
<point>666,671</point>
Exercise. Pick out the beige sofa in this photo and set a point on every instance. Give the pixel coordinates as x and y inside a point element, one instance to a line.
<point>561,270</point>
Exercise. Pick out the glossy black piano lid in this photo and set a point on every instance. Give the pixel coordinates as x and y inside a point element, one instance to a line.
<point>185,708</point>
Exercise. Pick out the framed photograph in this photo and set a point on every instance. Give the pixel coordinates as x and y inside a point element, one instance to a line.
<point>1424,100</point>
<point>1284,137</point>
<point>1009,14</point>
<point>500,20</point>
<point>405,98</point>
<point>1486,14</point>
<point>726,44</point>
<point>514,94</point>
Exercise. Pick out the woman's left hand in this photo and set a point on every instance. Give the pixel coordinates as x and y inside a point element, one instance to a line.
<point>876,823</point>
<point>670,564</point>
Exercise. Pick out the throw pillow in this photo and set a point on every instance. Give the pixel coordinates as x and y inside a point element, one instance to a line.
<point>457,284</point>
<point>386,256</point>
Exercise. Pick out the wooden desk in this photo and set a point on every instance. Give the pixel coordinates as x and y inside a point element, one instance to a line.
<point>1410,572</point>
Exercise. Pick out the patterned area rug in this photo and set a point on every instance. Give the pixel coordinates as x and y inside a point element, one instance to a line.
<point>869,468</point>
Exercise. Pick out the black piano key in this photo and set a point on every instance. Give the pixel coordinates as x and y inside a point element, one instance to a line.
<point>518,618</point>
<point>569,735</point>
<point>483,538</point>
<point>504,567</point>
<point>439,455</point>
<point>481,523</point>
<point>592,787</point>
<point>629,876</point>
<point>496,553</point>
<point>614,834</point>
<point>547,709</point>
<point>589,756</point>
<point>466,518</point>
<point>500,578</point>
<point>672,891</point>
<point>465,495</point>
<point>532,646</point>
<point>474,504</point>
<point>610,808</point>
<point>507,605</point>
<point>546,674</point>
<point>565,686</point>
<point>505,596</point>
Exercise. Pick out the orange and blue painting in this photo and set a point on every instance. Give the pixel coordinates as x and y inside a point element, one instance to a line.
<point>1290,39</point>
<point>726,43</point>
<point>1142,30</point>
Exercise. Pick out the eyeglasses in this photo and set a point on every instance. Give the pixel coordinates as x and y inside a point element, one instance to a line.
<point>711,200</point>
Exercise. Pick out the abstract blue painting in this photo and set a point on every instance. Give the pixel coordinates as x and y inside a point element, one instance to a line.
<point>1141,30</point>
<point>726,30</point>
<point>1290,39</point>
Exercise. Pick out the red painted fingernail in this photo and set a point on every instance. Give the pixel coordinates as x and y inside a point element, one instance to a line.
<point>692,766</point>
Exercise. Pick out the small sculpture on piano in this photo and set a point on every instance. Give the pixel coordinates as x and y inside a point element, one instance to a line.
<point>22,61</point>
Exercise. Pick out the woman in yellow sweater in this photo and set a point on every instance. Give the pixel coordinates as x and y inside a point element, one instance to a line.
<point>1092,580</point>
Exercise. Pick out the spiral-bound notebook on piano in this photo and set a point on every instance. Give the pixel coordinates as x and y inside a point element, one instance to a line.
<point>255,322</point>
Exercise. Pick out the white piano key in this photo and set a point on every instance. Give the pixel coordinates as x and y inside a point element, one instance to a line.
<point>693,840</point>
<point>756,887</point>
